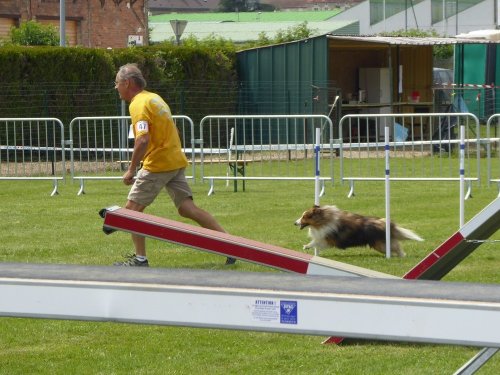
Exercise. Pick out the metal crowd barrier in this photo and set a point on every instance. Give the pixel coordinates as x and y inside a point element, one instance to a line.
<point>493,149</point>
<point>101,147</point>
<point>32,149</point>
<point>422,148</point>
<point>263,147</point>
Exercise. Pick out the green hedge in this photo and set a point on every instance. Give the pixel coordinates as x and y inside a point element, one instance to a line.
<point>70,82</point>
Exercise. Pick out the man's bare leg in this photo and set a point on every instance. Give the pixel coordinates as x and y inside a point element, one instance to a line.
<point>188,209</point>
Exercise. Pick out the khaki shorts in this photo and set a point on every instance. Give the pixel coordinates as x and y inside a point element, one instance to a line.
<point>148,185</point>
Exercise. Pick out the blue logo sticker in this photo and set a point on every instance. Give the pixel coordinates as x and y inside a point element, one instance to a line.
<point>288,312</point>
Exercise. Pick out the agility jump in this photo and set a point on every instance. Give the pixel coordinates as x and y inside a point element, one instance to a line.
<point>117,218</point>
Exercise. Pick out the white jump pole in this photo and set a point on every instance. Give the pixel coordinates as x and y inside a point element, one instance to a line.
<point>387,195</point>
<point>231,139</point>
<point>462,174</point>
<point>317,173</point>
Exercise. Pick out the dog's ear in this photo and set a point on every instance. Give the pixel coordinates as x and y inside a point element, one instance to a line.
<point>316,210</point>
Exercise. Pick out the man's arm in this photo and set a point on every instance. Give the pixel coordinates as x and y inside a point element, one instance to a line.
<point>140,148</point>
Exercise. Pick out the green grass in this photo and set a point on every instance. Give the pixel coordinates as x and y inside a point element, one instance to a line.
<point>66,229</point>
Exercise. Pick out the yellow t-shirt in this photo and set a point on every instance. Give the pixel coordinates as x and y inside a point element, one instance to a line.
<point>150,114</point>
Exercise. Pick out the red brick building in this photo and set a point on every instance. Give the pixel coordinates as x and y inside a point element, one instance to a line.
<point>89,23</point>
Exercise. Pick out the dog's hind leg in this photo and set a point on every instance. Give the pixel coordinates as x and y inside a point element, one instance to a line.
<point>396,249</point>
<point>379,246</point>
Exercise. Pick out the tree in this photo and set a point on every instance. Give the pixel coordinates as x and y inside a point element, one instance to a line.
<point>301,31</point>
<point>298,32</point>
<point>444,51</point>
<point>32,33</point>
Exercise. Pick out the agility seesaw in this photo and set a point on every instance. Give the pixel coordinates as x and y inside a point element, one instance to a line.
<point>435,266</point>
<point>117,218</point>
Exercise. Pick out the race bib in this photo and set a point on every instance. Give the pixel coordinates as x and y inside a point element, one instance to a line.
<point>142,126</point>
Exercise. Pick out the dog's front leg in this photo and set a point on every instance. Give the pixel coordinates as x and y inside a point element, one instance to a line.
<point>310,245</point>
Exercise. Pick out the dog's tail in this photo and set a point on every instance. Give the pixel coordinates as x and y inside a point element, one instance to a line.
<point>406,234</point>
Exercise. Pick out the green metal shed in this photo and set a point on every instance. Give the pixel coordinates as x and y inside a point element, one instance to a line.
<point>284,78</point>
<point>476,78</point>
<point>303,77</point>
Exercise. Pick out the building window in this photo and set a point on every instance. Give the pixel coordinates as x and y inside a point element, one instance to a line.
<point>444,9</point>
<point>380,10</point>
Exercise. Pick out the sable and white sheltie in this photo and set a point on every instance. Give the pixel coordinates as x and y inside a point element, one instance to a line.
<point>330,226</point>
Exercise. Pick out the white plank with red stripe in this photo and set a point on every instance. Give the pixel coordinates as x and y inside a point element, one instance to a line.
<point>451,252</point>
<point>229,245</point>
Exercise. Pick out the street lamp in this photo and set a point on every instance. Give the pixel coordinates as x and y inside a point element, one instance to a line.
<point>62,23</point>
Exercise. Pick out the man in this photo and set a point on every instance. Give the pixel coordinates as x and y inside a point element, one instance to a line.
<point>158,146</point>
